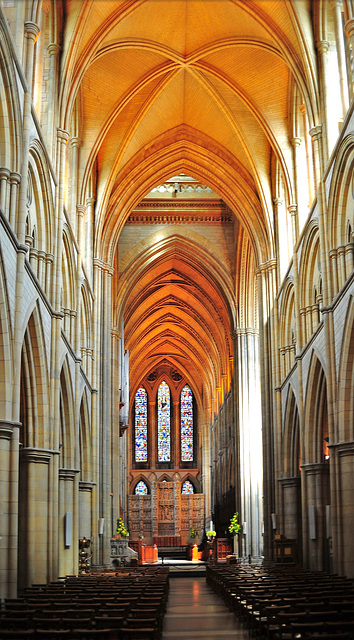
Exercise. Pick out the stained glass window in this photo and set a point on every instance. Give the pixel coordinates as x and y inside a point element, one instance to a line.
<point>141,488</point>
<point>141,425</point>
<point>187,487</point>
<point>186,424</point>
<point>163,423</point>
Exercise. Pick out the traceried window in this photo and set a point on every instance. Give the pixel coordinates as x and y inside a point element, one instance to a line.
<point>187,487</point>
<point>186,424</point>
<point>141,425</point>
<point>163,423</point>
<point>141,488</point>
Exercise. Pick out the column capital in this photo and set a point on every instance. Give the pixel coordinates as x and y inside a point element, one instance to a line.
<point>336,3</point>
<point>316,132</point>
<point>296,141</point>
<point>15,178</point>
<point>349,27</point>
<point>292,209</point>
<point>115,333</point>
<point>315,468</point>
<point>81,209</point>
<point>7,428</point>
<point>53,49</point>
<point>75,141</point>
<point>323,46</point>
<point>30,454</point>
<point>63,135</point>
<point>278,202</point>
<point>246,331</point>
<point>32,30</point>
<point>4,173</point>
<point>104,266</point>
<point>266,266</point>
<point>68,474</point>
<point>90,200</point>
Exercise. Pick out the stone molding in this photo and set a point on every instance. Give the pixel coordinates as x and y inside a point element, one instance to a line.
<point>86,486</point>
<point>68,474</point>
<point>6,429</point>
<point>31,454</point>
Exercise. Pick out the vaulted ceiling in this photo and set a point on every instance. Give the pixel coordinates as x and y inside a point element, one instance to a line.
<point>201,88</point>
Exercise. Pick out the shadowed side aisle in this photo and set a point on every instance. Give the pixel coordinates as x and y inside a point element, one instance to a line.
<point>195,611</point>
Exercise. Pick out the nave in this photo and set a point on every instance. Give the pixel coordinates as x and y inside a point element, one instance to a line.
<point>195,611</point>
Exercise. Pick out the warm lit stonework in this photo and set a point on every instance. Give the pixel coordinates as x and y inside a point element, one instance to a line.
<point>177,216</point>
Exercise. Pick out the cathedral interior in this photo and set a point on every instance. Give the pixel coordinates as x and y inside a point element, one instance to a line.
<point>176,278</point>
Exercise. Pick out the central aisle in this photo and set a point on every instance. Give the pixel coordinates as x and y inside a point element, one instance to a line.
<point>195,611</point>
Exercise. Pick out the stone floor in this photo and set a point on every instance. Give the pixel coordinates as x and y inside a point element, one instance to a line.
<point>195,611</point>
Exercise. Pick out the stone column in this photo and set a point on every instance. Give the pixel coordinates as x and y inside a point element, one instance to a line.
<point>115,436</point>
<point>4,177</point>
<point>323,48</point>
<point>32,32</point>
<point>34,519</point>
<point>292,209</point>
<point>315,497</point>
<point>291,488</point>
<point>53,52</point>
<point>68,550</point>
<point>90,202</point>
<point>296,142</point>
<point>349,30</point>
<point>75,213</point>
<point>271,414</point>
<point>316,135</point>
<point>9,436</point>
<point>102,381</point>
<point>337,10</point>
<point>342,525</point>
<point>15,180</point>
<point>277,213</point>
<point>248,404</point>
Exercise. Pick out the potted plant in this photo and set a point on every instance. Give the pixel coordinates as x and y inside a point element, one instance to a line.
<point>121,530</point>
<point>194,533</point>
<point>234,529</point>
<point>211,535</point>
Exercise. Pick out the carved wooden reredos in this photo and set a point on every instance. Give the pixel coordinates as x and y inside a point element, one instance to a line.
<point>165,512</point>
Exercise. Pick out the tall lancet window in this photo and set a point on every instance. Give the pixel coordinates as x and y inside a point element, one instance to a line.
<point>163,423</point>
<point>186,424</point>
<point>141,425</point>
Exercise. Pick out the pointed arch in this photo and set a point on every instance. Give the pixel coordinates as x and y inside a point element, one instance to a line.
<point>67,422</point>
<point>315,412</point>
<point>34,413</point>
<point>163,422</point>
<point>291,451</point>
<point>346,380</point>
<point>187,424</point>
<point>10,111</point>
<point>6,373</point>
<point>85,442</point>
<point>141,425</point>
<point>141,487</point>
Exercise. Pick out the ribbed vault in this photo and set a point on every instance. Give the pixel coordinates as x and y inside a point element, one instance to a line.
<point>202,88</point>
